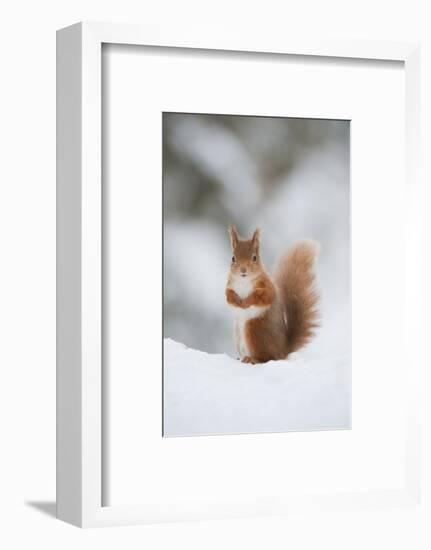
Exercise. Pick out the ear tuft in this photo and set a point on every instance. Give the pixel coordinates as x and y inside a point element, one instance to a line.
<point>233,236</point>
<point>256,239</point>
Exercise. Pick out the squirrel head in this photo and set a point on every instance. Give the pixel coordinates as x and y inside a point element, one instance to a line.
<point>245,255</point>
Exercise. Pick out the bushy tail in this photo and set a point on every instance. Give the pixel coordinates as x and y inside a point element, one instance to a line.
<point>295,279</point>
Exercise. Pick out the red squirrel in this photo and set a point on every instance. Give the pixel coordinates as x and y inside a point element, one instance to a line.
<point>273,316</point>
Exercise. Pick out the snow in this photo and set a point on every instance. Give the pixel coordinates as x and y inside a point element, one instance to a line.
<point>215,394</point>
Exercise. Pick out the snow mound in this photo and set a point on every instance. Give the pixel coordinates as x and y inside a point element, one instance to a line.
<point>216,394</point>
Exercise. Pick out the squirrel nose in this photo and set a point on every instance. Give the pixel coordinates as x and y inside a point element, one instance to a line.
<point>243,269</point>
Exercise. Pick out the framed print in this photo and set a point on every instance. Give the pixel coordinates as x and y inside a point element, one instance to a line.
<point>238,276</point>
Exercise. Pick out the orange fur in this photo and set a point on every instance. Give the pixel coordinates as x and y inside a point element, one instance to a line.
<point>296,280</point>
<point>262,295</point>
<point>232,298</point>
<point>274,316</point>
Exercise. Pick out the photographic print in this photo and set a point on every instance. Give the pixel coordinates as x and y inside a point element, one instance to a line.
<point>256,274</point>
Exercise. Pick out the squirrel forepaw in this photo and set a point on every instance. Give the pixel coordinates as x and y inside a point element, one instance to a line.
<point>248,359</point>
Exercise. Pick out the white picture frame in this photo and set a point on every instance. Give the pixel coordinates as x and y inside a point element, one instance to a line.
<point>79,267</point>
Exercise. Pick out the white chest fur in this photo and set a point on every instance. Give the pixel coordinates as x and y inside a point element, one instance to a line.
<point>244,287</point>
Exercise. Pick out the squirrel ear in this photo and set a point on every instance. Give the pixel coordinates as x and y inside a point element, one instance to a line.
<point>256,239</point>
<point>233,236</point>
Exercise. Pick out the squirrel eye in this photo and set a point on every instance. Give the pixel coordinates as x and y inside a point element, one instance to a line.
<point>254,258</point>
<point>233,259</point>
